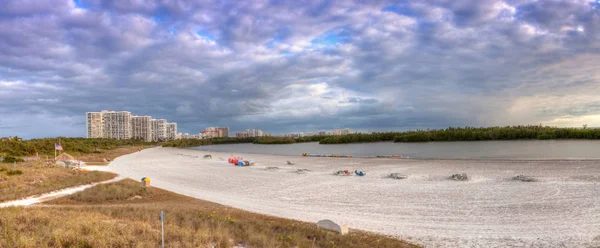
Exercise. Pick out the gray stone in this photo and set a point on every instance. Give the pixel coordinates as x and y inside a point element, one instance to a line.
<point>302,171</point>
<point>459,177</point>
<point>332,226</point>
<point>523,178</point>
<point>397,176</point>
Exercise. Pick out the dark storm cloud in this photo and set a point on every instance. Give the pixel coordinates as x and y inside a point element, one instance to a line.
<point>287,66</point>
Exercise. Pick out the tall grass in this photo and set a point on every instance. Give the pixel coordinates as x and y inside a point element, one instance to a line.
<point>30,178</point>
<point>122,190</point>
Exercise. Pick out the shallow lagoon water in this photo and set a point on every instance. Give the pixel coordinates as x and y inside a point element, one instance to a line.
<point>520,149</point>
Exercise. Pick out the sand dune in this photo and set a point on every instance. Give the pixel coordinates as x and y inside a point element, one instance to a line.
<point>489,210</point>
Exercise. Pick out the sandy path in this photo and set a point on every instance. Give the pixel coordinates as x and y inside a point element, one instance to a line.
<point>490,210</point>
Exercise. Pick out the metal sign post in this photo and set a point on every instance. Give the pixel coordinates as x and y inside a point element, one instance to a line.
<point>162,221</point>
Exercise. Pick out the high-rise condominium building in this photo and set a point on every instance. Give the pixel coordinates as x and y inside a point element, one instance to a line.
<point>223,131</point>
<point>337,132</point>
<point>345,131</point>
<point>159,129</point>
<point>122,125</point>
<point>171,131</point>
<point>141,128</point>
<point>254,132</point>
<point>116,125</point>
<point>93,124</point>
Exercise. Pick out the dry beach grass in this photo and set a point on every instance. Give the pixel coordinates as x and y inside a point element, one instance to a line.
<point>107,216</point>
<point>37,178</point>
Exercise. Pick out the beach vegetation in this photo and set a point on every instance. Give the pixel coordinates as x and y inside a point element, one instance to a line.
<point>14,172</point>
<point>12,159</point>
<point>18,147</point>
<point>34,178</point>
<point>497,133</point>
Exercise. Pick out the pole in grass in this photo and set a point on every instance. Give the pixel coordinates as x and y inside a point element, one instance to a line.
<point>162,221</point>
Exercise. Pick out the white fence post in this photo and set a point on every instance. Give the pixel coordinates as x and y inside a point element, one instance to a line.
<point>162,221</point>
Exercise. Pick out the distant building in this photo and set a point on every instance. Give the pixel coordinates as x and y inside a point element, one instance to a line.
<point>345,131</point>
<point>93,125</point>
<point>141,128</point>
<point>293,135</point>
<point>188,136</point>
<point>337,132</point>
<point>254,132</point>
<point>210,132</point>
<point>215,132</point>
<point>322,133</point>
<point>122,125</point>
<point>171,131</point>
<point>223,131</point>
<point>159,129</point>
<point>241,135</point>
<point>116,125</point>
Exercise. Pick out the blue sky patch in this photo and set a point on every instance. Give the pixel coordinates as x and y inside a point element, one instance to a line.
<point>402,9</point>
<point>160,16</point>
<point>79,4</point>
<point>332,37</point>
<point>205,35</point>
<point>280,36</point>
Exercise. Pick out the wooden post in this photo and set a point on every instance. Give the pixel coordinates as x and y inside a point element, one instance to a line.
<point>162,224</point>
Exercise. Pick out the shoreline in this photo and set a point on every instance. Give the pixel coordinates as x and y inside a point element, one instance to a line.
<point>434,211</point>
<point>409,158</point>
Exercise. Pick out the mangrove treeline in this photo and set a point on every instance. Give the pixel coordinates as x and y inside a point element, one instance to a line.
<point>449,134</point>
<point>15,146</point>
<point>498,133</point>
<point>470,134</point>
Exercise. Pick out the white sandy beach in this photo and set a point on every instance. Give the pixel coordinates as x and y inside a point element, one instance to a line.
<point>490,210</point>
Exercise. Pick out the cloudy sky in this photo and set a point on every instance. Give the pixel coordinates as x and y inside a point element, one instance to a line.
<point>285,66</point>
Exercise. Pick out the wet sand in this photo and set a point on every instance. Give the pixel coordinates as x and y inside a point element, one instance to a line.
<point>490,210</point>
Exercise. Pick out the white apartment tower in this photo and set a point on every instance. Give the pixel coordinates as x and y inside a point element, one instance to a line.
<point>122,125</point>
<point>116,125</point>
<point>93,124</point>
<point>159,129</point>
<point>171,131</point>
<point>141,128</point>
<point>254,132</point>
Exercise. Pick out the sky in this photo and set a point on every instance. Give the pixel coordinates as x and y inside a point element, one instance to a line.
<point>299,66</point>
